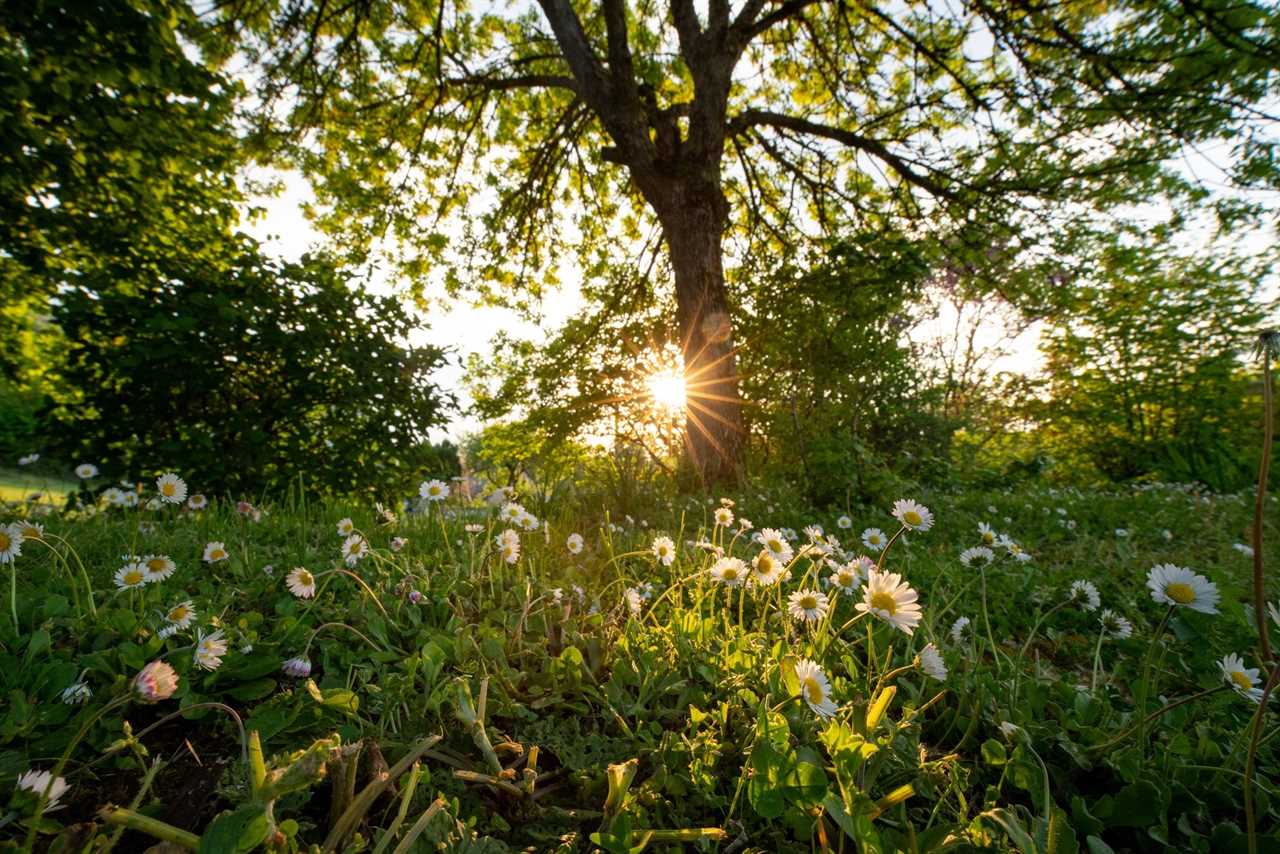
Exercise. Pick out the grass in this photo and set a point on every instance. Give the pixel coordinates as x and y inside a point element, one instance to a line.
<point>18,486</point>
<point>606,700</point>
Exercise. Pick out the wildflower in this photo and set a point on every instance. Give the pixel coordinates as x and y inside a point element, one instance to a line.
<point>574,544</point>
<point>28,459</point>
<point>385,515</point>
<point>301,582</point>
<point>987,533</point>
<point>813,532</point>
<point>130,576</point>
<point>509,545</point>
<point>1247,551</point>
<point>40,782</point>
<point>931,663</point>
<point>129,499</point>
<point>807,606</point>
<point>28,530</point>
<point>1178,586</point>
<point>155,504</point>
<point>76,693</point>
<point>913,516</point>
<point>210,649</point>
<point>1084,593</point>
<point>511,512</point>
<point>214,552</point>
<point>775,541</point>
<point>664,550</point>
<point>846,579</point>
<point>473,528</point>
<point>744,524</point>
<point>180,615</point>
<point>724,517</point>
<point>1122,532</point>
<point>528,521</point>
<point>298,668</point>
<point>1114,625</point>
<point>958,629</point>
<point>166,631</point>
<point>766,570</point>
<point>346,527</point>
<point>415,596</point>
<point>891,599</point>
<point>730,571</point>
<point>155,682</point>
<point>815,688</point>
<point>981,555</point>
<point>434,490</point>
<point>158,567</point>
<point>844,523</point>
<point>113,496</point>
<point>197,502</point>
<point>10,543</point>
<point>172,489</point>
<point>398,543</point>
<point>874,539</point>
<point>84,471</point>
<point>354,548</point>
<point>1244,681</point>
<point>633,599</point>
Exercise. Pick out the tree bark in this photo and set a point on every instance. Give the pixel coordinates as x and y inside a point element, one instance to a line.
<point>694,217</point>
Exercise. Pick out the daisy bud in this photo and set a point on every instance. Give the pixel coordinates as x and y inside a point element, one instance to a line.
<point>298,668</point>
<point>155,682</point>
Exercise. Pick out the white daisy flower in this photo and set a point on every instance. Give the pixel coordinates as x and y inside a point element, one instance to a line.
<point>346,527</point>
<point>172,489</point>
<point>130,576</point>
<point>28,530</point>
<point>1086,594</point>
<point>574,544</point>
<point>180,615</point>
<point>129,499</point>
<point>398,543</point>
<point>891,599</point>
<point>1122,532</point>
<point>813,532</point>
<point>846,579</point>
<point>912,515</point>
<point>210,649</point>
<point>28,459</point>
<point>815,688</point>
<point>807,606</point>
<point>844,523</point>
<point>724,517</point>
<point>301,582</point>
<point>959,629</point>
<point>84,471</point>
<point>354,548</point>
<point>158,567</point>
<point>38,782</point>
<point>1114,625</point>
<point>434,490</point>
<point>1244,681</point>
<point>166,631</point>
<point>473,528</point>
<point>980,555</point>
<point>932,664</point>
<point>766,569</point>
<point>776,542</point>
<point>76,693</point>
<point>197,502</point>
<point>874,539</point>
<point>113,496</point>
<point>1247,551</point>
<point>10,543</point>
<point>729,571</point>
<point>298,668</point>
<point>634,600</point>
<point>664,550</point>
<point>988,534</point>
<point>511,512</point>
<point>744,524</point>
<point>509,545</point>
<point>1176,585</point>
<point>215,551</point>
<point>528,521</point>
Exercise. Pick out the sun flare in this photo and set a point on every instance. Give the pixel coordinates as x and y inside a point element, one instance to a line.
<point>667,391</point>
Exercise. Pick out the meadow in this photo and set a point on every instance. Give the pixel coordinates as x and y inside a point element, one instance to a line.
<point>1033,670</point>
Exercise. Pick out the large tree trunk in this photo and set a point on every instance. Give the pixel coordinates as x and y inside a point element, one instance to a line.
<point>693,224</point>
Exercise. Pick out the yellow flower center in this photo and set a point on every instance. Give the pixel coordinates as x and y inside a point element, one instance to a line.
<point>845,579</point>
<point>884,602</point>
<point>156,565</point>
<point>812,691</point>
<point>808,603</point>
<point>730,574</point>
<point>133,577</point>
<point>218,554</point>
<point>911,517</point>
<point>1180,593</point>
<point>168,489</point>
<point>178,614</point>
<point>775,545</point>
<point>305,578</point>
<point>5,541</point>
<point>1242,681</point>
<point>988,538</point>
<point>875,539</point>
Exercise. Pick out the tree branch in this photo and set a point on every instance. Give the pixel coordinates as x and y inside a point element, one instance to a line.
<point>525,81</point>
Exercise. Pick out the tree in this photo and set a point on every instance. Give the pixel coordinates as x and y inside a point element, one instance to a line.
<point>246,376</point>
<point>1004,124</point>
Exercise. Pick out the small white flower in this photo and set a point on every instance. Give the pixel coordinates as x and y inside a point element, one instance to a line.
<point>180,615</point>
<point>214,552</point>
<point>664,550</point>
<point>1086,594</point>
<point>473,528</point>
<point>932,664</point>
<point>891,599</point>
<point>1176,585</point>
<point>28,459</point>
<point>574,544</point>
<point>1244,681</point>
<point>1114,625</point>
<point>729,571</point>
<point>84,471</point>
<point>197,502</point>
<point>980,555</point>
<point>172,489</point>
<point>766,569</point>
<point>1122,532</point>
<point>509,545</point>
<point>38,782</point>
<point>807,606</point>
<point>634,600</point>
<point>959,628</point>
<point>844,523</point>
<point>434,490</point>
<point>210,649</point>
<point>1247,551</point>
<point>346,527</point>
<point>10,543</point>
<point>298,668</point>
<point>815,688</point>
<point>912,515</point>
<point>398,543</point>
<point>354,548</point>
<point>874,539</point>
<point>724,517</point>
<point>130,576</point>
<point>76,693</point>
<point>301,582</point>
<point>776,542</point>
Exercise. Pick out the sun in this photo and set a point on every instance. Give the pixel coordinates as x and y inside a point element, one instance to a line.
<point>667,390</point>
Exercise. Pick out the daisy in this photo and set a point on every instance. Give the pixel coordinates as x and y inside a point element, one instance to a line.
<point>844,523</point>
<point>346,527</point>
<point>181,615</point>
<point>166,631</point>
<point>214,552</point>
<point>874,539</point>
<point>113,496</point>
<point>76,693</point>
<point>301,582</point>
<point>473,528</point>
<point>913,516</point>
<point>1247,551</point>
<point>434,490</point>
<point>158,567</point>
<point>724,517</point>
<point>354,548</point>
<point>633,599</point>
<point>1178,586</point>
<point>172,489</point>
<point>958,629</point>
<point>807,606</point>
<point>129,498</point>
<point>28,459</point>
<point>846,579</point>
<point>932,664</point>
<point>398,543</point>
<point>813,532</point>
<point>815,688</point>
<point>1244,681</point>
<point>29,530</point>
<point>10,543</point>
<point>574,544</point>
<point>776,542</point>
<point>509,545</point>
<point>155,682</point>
<point>528,521</point>
<point>210,649</point>
<point>729,571</point>
<point>664,550</point>
<point>891,599</point>
<point>744,524</point>
<point>987,533</point>
<point>298,668</point>
<point>130,576</point>
<point>38,782</point>
<point>511,512</point>
<point>1114,625</point>
<point>1122,532</point>
<point>1085,594</point>
<point>766,570</point>
<point>981,555</point>
<point>84,471</point>
<point>197,502</point>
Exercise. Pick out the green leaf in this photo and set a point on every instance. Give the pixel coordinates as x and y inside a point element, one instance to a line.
<point>236,832</point>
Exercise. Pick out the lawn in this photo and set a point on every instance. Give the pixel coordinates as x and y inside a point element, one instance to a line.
<point>18,486</point>
<point>489,677</point>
